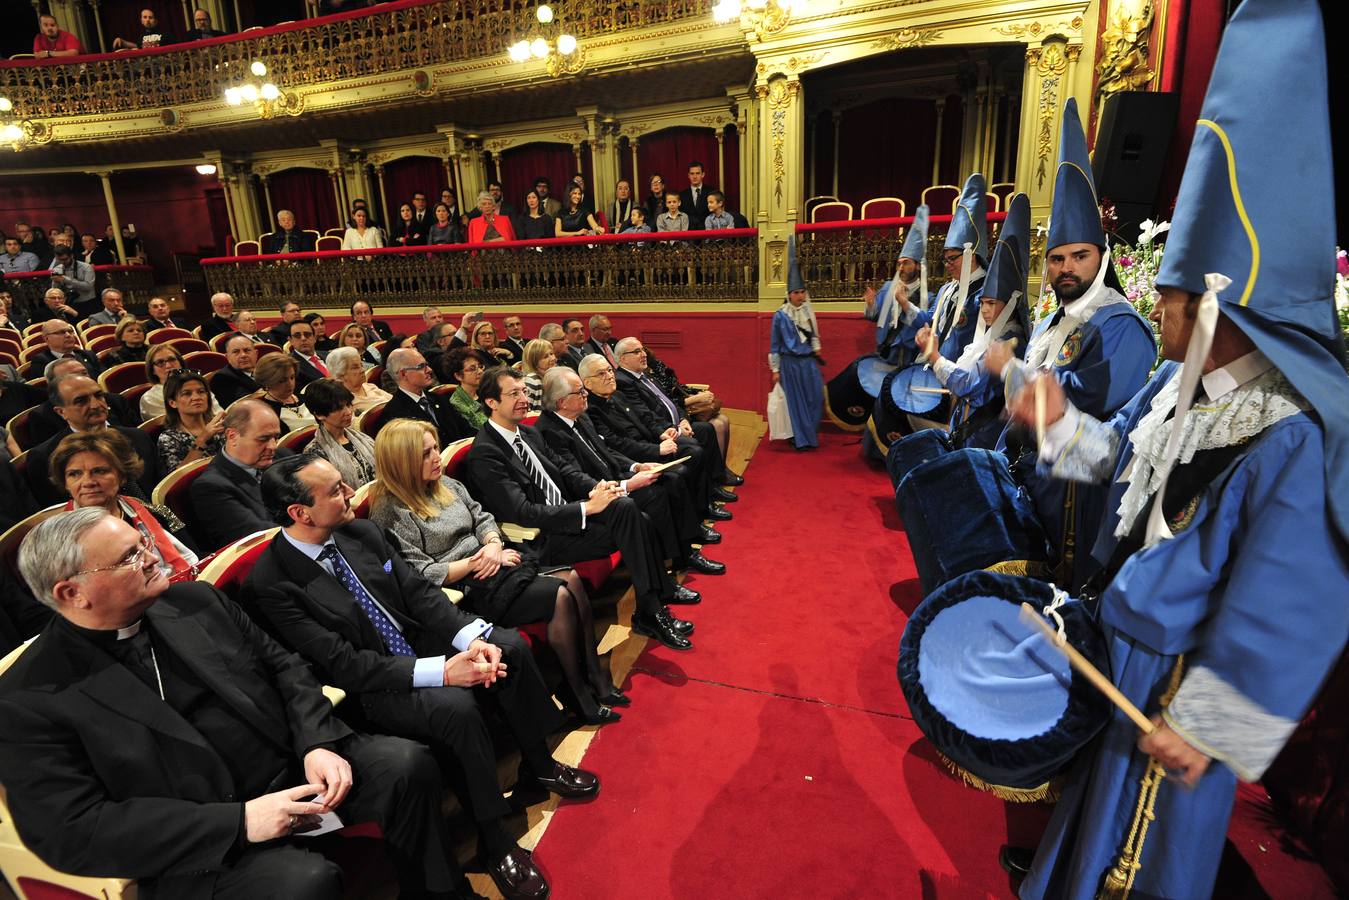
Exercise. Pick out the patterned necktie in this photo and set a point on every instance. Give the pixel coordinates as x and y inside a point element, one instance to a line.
<point>660,395</point>
<point>545,484</point>
<point>609,354</point>
<point>393,638</point>
<point>430,410</point>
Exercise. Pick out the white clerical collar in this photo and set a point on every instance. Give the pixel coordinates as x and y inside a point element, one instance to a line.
<point>129,631</point>
<point>1240,371</point>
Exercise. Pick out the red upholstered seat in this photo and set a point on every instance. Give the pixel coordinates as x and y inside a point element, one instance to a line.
<point>831,211</point>
<point>18,427</point>
<point>13,537</point>
<point>119,378</point>
<point>298,439</point>
<point>153,427</point>
<point>205,361</point>
<point>101,343</point>
<point>189,345</point>
<point>371,419</point>
<point>232,563</point>
<point>883,208</point>
<point>164,335</point>
<point>172,490</point>
<point>941,198</point>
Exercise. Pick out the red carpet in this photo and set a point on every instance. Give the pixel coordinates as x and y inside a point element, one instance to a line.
<point>776,759</point>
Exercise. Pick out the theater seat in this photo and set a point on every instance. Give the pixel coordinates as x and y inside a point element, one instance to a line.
<point>205,360</point>
<point>883,208</point>
<point>14,535</point>
<point>298,439</point>
<point>164,335</point>
<point>89,332</point>
<point>119,378</point>
<point>18,427</point>
<point>370,420</point>
<point>189,345</point>
<point>153,427</point>
<point>172,490</point>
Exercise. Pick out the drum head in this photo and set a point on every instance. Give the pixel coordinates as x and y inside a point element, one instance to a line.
<point>914,390</point>
<point>871,372</point>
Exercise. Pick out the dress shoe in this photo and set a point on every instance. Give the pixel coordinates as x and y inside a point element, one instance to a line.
<point>679,626</point>
<point>717,514</point>
<point>1015,861</point>
<point>652,627</point>
<point>704,566</point>
<point>615,698</point>
<point>569,783</point>
<point>605,715</point>
<point>708,535</point>
<point>685,596</point>
<point>730,479</point>
<point>724,495</point>
<point>517,877</point>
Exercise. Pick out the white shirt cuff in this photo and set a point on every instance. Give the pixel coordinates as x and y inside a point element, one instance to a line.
<point>943,369</point>
<point>478,628</point>
<point>1059,435</point>
<point>428,671</point>
<point>583,516</point>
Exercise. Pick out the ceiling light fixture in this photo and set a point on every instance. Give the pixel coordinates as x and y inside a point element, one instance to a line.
<point>547,41</point>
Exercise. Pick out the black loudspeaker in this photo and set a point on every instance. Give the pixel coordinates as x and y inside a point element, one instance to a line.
<point>1132,143</point>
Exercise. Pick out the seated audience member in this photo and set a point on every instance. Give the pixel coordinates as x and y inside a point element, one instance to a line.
<point>338,589</point>
<point>556,338</point>
<point>322,343</point>
<point>246,323</point>
<point>407,231</point>
<point>700,405</point>
<point>161,360</point>
<point>32,241</point>
<point>131,334</point>
<point>113,310</point>
<point>288,237</point>
<point>420,213</point>
<point>16,396</point>
<point>672,219</point>
<point>83,405</point>
<point>443,339</point>
<point>535,223</point>
<point>235,379</point>
<point>514,341</point>
<point>362,234</point>
<point>63,342</point>
<point>346,366</point>
<point>152,35</point>
<point>353,336</point>
<point>489,225</point>
<point>201,27</point>
<point>303,350</point>
<point>448,538</point>
<point>579,180</point>
<point>499,198</point>
<point>257,757</point>
<point>161,316</point>
<point>463,366</point>
<point>93,253</point>
<point>52,41</point>
<point>413,399</point>
<point>543,186</point>
<point>575,217</point>
<point>44,421</point>
<point>226,499</point>
<point>222,308</point>
<point>636,223</point>
<point>193,429</point>
<point>579,517</point>
<point>668,504</point>
<point>11,319</point>
<point>71,275</point>
<point>16,259</point>
<point>444,230</point>
<point>574,332</point>
<point>431,317</point>
<point>132,245</point>
<point>275,374</point>
<point>351,451</point>
<point>717,214</point>
<point>654,202</point>
<point>55,308</point>
<point>279,333</point>
<point>621,211</point>
<point>539,358</point>
<point>483,338</point>
<point>601,339</point>
<point>363,314</point>
<point>94,469</point>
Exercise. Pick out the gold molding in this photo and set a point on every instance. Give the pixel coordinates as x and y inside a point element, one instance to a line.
<point>1124,50</point>
<point>1034,30</point>
<point>907,37</point>
<point>1044,138</point>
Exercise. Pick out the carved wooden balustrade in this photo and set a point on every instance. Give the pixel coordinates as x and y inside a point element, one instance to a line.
<point>684,266</point>
<point>389,38</point>
<point>136,283</point>
<point>840,260</point>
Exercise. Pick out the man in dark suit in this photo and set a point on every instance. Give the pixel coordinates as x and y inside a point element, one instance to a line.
<point>84,405</point>
<point>226,496</point>
<point>422,216</point>
<point>518,479</point>
<point>235,380</point>
<point>309,366</point>
<point>280,332</point>
<point>93,254</point>
<point>222,312</point>
<point>45,421</point>
<point>154,732</point>
<point>574,333</point>
<point>414,400</point>
<point>693,199</point>
<point>161,316</point>
<point>601,339</point>
<point>63,342</point>
<point>339,591</point>
<point>363,314</point>
<point>514,341</point>
<point>667,504</point>
<point>288,238</point>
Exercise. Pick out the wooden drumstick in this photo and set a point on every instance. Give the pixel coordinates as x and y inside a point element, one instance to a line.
<point>1083,667</point>
<point>1040,411</point>
<point>928,390</point>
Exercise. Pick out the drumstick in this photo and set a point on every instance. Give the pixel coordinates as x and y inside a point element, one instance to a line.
<point>1040,411</point>
<point>925,390</point>
<point>1084,667</point>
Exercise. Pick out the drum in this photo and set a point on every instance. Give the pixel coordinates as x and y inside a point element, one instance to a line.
<point>963,512</point>
<point>845,403</point>
<point>913,450</point>
<point>871,372</point>
<point>886,425</point>
<point>1001,705</point>
<point>915,390</point>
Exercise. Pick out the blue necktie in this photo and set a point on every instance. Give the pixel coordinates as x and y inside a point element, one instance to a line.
<point>393,638</point>
<point>660,395</point>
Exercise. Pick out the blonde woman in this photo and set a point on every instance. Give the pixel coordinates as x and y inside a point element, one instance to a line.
<point>451,540</point>
<point>354,336</point>
<point>538,358</point>
<point>484,338</point>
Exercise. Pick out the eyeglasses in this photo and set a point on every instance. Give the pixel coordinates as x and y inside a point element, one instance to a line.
<point>417,367</point>
<point>134,559</point>
<point>642,351</point>
<point>168,361</point>
<point>579,392</point>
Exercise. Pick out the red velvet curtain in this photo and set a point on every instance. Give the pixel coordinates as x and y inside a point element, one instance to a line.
<point>521,165</point>
<point>405,177</point>
<point>1194,28</point>
<point>670,151</point>
<point>309,194</point>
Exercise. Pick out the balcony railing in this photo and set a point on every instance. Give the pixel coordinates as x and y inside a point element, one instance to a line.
<point>839,260</point>
<point>688,266</point>
<point>392,37</point>
<point>136,283</point>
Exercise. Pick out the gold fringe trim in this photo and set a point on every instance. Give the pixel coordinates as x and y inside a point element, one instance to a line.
<point>836,420</point>
<point>1028,568</point>
<point>871,426</point>
<point>1047,791</point>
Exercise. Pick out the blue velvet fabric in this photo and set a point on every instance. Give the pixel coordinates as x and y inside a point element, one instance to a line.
<point>912,450</point>
<point>988,691</point>
<point>962,512</point>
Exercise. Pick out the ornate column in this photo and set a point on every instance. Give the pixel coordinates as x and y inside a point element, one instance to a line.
<point>936,155</point>
<point>721,158</point>
<point>116,223</point>
<point>267,194</point>
<point>383,198</point>
<point>638,188</point>
<point>335,177</point>
<point>1008,141</point>
<point>813,155</point>
<point>229,201</point>
<point>781,139</point>
<point>991,135</point>
<point>246,211</point>
<point>576,154</point>
<point>838,117</point>
<point>98,26</point>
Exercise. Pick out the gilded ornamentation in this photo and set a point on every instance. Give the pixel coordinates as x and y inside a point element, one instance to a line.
<point>556,64</point>
<point>907,37</point>
<point>1044,139</point>
<point>421,83</point>
<point>1035,29</point>
<point>1050,58</point>
<point>1124,49</point>
<point>777,258</point>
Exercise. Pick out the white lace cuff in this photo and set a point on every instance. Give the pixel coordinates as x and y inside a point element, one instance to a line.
<point>1223,723</point>
<point>1082,448</point>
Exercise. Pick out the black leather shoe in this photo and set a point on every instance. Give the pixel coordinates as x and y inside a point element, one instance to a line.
<point>724,495</point>
<point>685,596</point>
<point>615,698</point>
<point>678,626</point>
<point>517,877</point>
<point>654,628</point>
<point>730,479</point>
<point>717,514</point>
<point>1015,861</point>
<point>704,566</point>
<point>569,783</point>
<point>708,535</point>
<point>605,715</point>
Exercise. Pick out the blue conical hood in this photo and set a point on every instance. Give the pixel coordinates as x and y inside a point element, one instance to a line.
<point>794,282</point>
<point>969,220</point>
<point>915,241</point>
<point>1011,254</point>
<point>1076,214</point>
<point>1257,204</point>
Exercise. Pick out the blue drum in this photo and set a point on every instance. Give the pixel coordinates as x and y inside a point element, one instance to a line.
<point>911,451</point>
<point>963,512</point>
<point>871,372</point>
<point>993,696</point>
<point>915,390</point>
<point>845,403</point>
